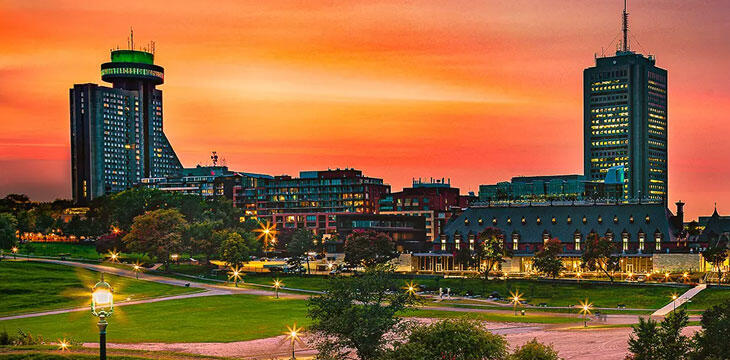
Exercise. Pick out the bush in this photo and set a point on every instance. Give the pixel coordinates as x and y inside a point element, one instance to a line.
<point>5,338</point>
<point>534,350</point>
<point>26,338</point>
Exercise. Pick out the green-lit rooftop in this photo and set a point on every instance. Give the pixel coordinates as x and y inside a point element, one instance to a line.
<point>133,56</point>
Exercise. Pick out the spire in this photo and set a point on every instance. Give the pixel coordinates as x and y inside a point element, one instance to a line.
<point>625,28</point>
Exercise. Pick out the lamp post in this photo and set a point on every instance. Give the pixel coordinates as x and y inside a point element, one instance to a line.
<point>277,285</point>
<point>293,334</point>
<point>585,309</point>
<point>515,298</point>
<point>137,268</point>
<point>674,302</point>
<point>15,252</point>
<point>102,305</point>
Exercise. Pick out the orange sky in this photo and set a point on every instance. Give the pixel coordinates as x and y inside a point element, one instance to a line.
<point>477,91</point>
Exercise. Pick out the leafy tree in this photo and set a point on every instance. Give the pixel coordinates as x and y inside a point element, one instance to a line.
<point>534,350</point>
<point>672,344</point>
<point>158,233</point>
<point>199,237</point>
<point>644,341</point>
<point>547,260</point>
<point>109,242</point>
<point>450,339</point>
<point>490,248</point>
<point>301,243</point>
<point>8,226</point>
<point>712,341</point>
<point>465,257</point>
<point>716,254</point>
<point>369,248</point>
<point>598,255</point>
<point>235,250</point>
<point>355,313</point>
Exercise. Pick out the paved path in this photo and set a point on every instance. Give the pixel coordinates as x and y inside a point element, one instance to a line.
<point>680,300</point>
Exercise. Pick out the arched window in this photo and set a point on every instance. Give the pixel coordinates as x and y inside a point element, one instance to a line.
<point>642,240</point>
<point>631,219</point>
<point>625,241</point>
<point>609,235</point>
<point>515,241</point>
<point>658,239</point>
<point>569,220</point>
<point>585,220</point>
<point>539,221</point>
<point>524,221</point>
<point>466,222</point>
<point>554,220</point>
<point>648,219</point>
<point>600,219</point>
<point>545,236</point>
<point>480,221</point>
<point>577,238</point>
<point>509,221</point>
<point>494,221</point>
<point>615,219</point>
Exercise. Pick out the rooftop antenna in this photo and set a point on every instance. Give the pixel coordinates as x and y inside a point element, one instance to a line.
<point>214,158</point>
<point>625,28</point>
<point>131,38</point>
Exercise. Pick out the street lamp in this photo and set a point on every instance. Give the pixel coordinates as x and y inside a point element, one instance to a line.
<point>292,334</point>
<point>62,345</point>
<point>277,285</point>
<point>515,298</point>
<point>15,252</point>
<point>137,268</point>
<point>113,255</point>
<point>102,305</point>
<point>235,274</point>
<point>174,257</point>
<point>410,288</point>
<point>666,277</point>
<point>685,276</point>
<point>585,309</point>
<point>674,302</point>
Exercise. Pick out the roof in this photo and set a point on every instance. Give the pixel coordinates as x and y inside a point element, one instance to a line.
<point>716,225</point>
<point>568,221</point>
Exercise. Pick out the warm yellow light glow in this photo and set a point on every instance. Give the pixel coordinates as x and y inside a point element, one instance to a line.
<point>113,255</point>
<point>174,257</point>
<point>585,307</point>
<point>666,275</point>
<point>515,297</point>
<point>674,296</point>
<point>115,230</point>
<point>14,249</point>
<point>630,275</point>
<point>63,345</point>
<point>292,333</point>
<point>267,232</point>
<point>685,275</point>
<point>410,288</point>
<point>235,274</point>
<point>277,283</point>
<point>330,265</point>
<point>102,297</point>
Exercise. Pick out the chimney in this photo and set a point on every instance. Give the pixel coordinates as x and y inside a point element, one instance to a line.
<point>679,217</point>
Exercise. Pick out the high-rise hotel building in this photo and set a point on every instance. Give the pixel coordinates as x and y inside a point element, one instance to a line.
<point>625,122</point>
<point>116,132</point>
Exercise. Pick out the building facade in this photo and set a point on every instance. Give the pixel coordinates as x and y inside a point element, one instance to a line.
<point>117,134</point>
<point>315,198</point>
<point>625,123</point>
<point>408,232</point>
<point>537,189</point>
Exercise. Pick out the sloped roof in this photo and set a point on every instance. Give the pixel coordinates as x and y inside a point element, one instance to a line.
<point>568,220</point>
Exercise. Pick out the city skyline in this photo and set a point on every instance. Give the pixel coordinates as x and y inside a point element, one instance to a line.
<point>439,87</point>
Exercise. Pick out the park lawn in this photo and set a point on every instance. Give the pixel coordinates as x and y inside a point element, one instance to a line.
<point>466,305</point>
<point>317,283</point>
<point>80,251</point>
<point>74,352</point>
<point>708,298</point>
<point>491,317</point>
<point>28,286</point>
<point>221,318</point>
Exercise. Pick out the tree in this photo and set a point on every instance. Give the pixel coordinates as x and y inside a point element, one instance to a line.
<point>465,257</point>
<point>534,350</point>
<point>491,249</point>
<point>598,255</point>
<point>644,341</point>
<point>351,319</point>
<point>199,236</point>
<point>368,248</point>
<point>547,261</point>
<point>8,227</point>
<point>716,254</point>
<point>301,244</point>
<point>237,249</point>
<point>158,233</point>
<point>712,341</point>
<point>455,339</point>
<point>672,344</point>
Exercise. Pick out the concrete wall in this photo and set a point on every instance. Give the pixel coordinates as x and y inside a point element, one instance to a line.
<point>677,262</point>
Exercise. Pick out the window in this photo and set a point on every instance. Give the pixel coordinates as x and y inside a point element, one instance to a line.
<point>515,241</point>
<point>625,241</point>
<point>615,219</point>
<point>466,222</point>
<point>539,221</point>
<point>658,239</point>
<point>648,219</point>
<point>631,219</point>
<point>524,221</point>
<point>471,241</point>
<point>642,238</point>
<point>569,221</point>
<point>545,237</point>
<point>494,221</point>
<point>600,219</point>
<point>585,220</point>
<point>554,220</point>
<point>480,221</point>
<point>509,221</point>
<point>577,238</point>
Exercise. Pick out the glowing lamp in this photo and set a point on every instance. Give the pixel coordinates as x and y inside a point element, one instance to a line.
<point>102,299</point>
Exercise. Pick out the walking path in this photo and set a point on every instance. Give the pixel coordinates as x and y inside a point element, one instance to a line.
<point>680,300</point>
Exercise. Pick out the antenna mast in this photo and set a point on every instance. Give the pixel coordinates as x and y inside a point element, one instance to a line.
<point>625,28</point>
<point>131,37</point>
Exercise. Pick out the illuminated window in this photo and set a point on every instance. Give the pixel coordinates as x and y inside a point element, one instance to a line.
<point>515,241</point>
<point>554,220</point>
<point>658,239</point>
<point>648,219</point>
<point>509,221</point>
<point>631,219</point>
<point>625,241</point>
<point>569,221</point>
<point>466,222</point>
<point>600,219</point>
<point>585,220</point>
<point>539,221</point>
<point>494,221</point>
<point>615,219</point>
<point>642,238</point>
<point>524,221</point>
<point>577,238</point>
<point>480,221</point>
<point>545,237</point>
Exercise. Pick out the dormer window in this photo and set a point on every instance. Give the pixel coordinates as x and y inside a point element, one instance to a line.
<point>648,219</point>
<point>524,221</point>
<point>631,219</point>
<point>554,220</point>
<point>585,220</point>
<point>494,221</point>
<point>480,221</point>
<point>600,219</point>
<point>466,222</point>
<point>539,221</point>
<point>569,220</point>
<point>615,219</point>
<point>509,221</point>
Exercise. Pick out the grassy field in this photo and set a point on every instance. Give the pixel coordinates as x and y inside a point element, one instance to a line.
<point>30,287</point>
<point>527,318</point>
<point>51,352</point>
<point>709,297</point>
<point>81,251</point>
<point>206,319</point>
<point>291,281</point>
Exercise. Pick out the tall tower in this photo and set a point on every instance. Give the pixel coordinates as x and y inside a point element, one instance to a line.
<point>116,133</point>
<point>625,120</point>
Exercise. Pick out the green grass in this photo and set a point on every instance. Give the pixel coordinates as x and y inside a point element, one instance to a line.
<point>30,287</point>
<point>492,317</point>
<point>456,304</point>
<point>206,319</point>
<point>709,297</point>
<point>51,352</point>
<point>81,251</point>
<point>290,281</point>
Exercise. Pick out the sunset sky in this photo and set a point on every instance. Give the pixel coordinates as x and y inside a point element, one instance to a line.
<point>476,91</point>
